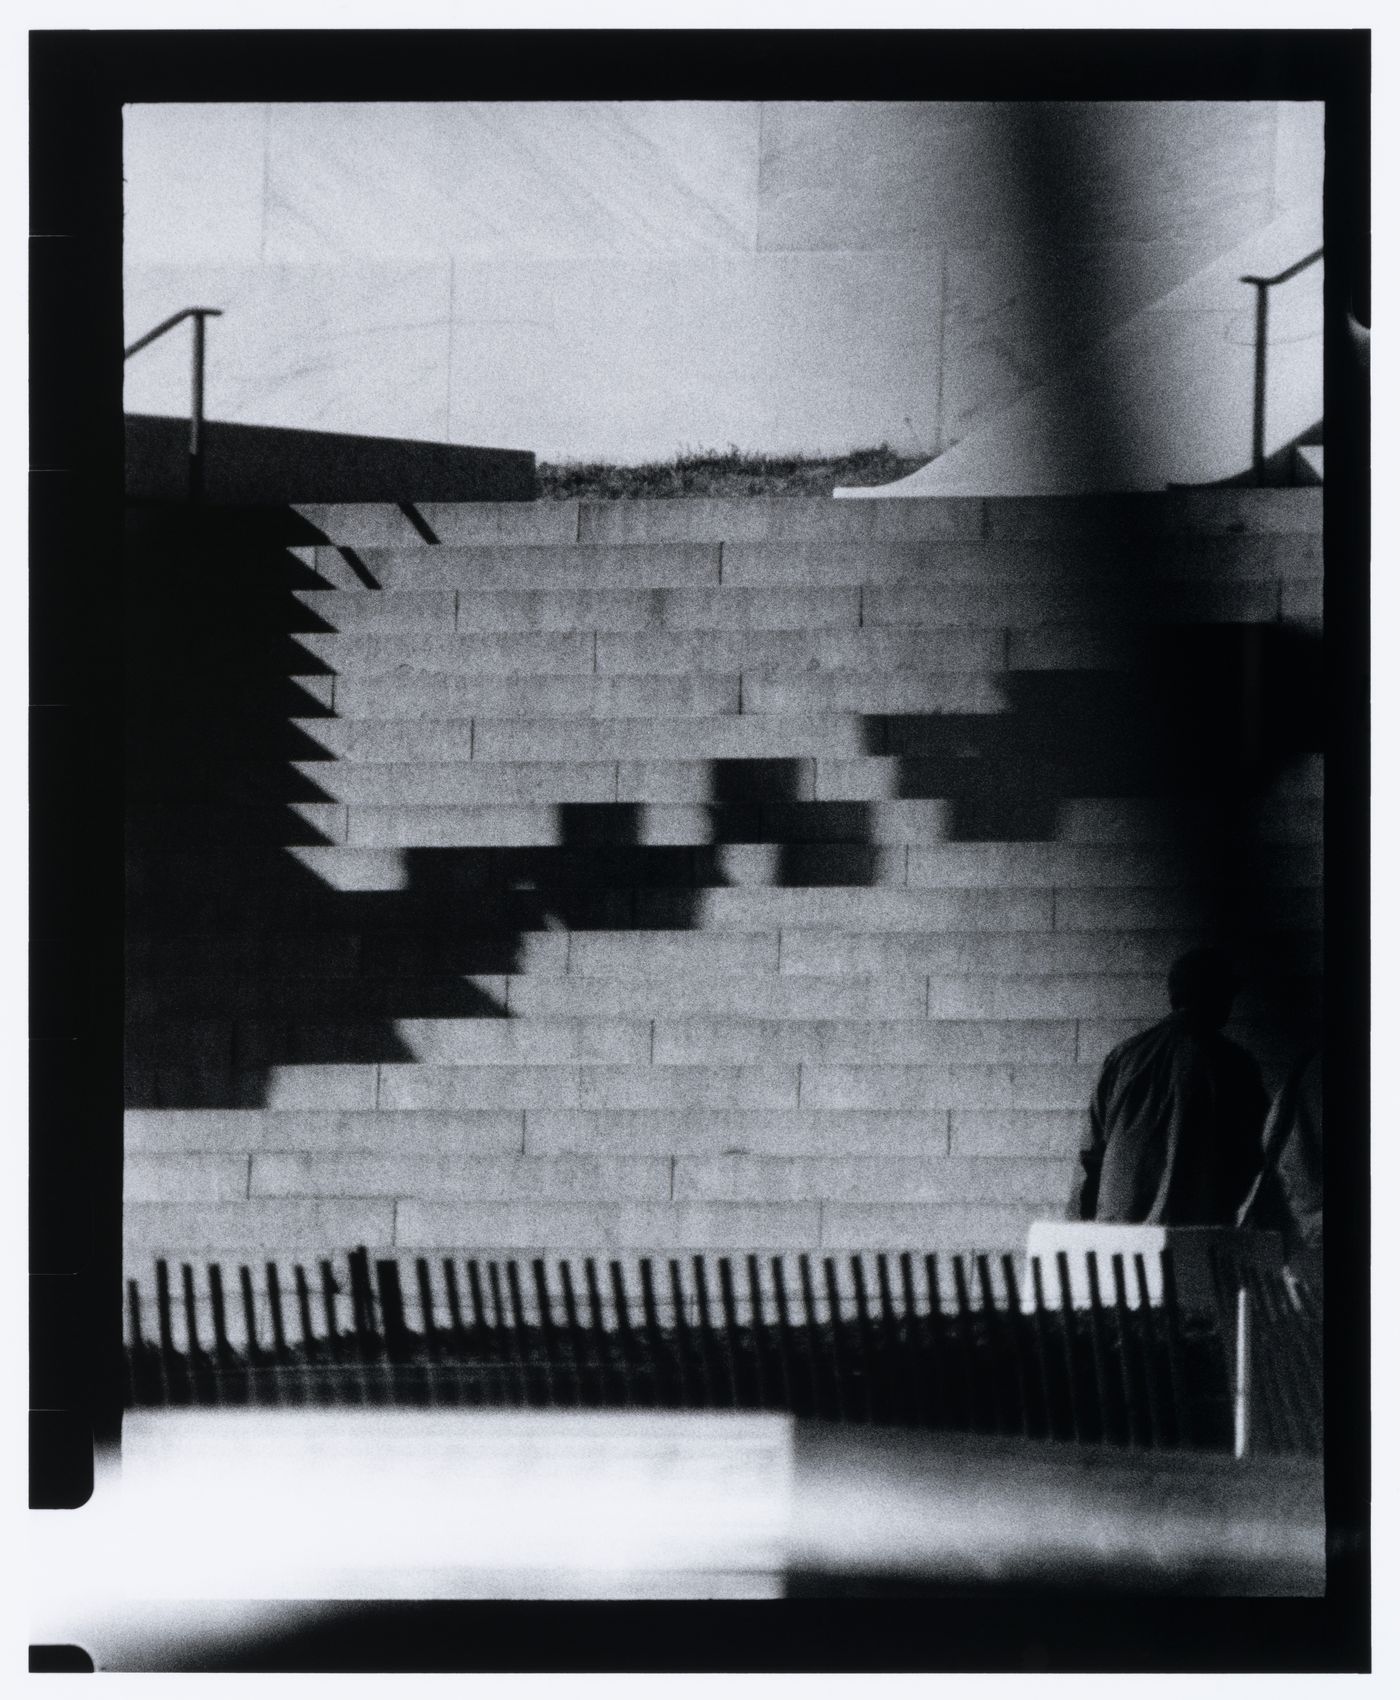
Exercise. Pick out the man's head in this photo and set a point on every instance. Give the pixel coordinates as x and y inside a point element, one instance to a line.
<point>1203,984</point>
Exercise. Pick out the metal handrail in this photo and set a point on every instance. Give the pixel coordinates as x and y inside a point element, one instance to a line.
<point>1262,286</point>
<point>199,315</point>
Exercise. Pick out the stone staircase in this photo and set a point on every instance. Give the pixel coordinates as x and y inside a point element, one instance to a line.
<point>764,875</point>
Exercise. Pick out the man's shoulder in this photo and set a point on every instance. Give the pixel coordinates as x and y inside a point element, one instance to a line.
<point>1184,1041</point>
<point>1206,1050</point>
<point>1141,1045</point>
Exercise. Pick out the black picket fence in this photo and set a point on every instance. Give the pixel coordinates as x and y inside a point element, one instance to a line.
<point>951,1344</point>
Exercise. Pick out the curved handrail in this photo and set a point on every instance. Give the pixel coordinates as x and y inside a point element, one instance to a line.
<point>1262,286</point>
<point>199,315</point>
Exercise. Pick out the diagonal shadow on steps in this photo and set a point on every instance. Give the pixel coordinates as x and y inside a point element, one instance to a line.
<point>244,957</point>
<point>241,957</point>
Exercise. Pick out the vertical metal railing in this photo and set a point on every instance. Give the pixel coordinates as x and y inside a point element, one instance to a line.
<point>1124,1369</point>
<point>196,441</point>
<point>1262,286</point>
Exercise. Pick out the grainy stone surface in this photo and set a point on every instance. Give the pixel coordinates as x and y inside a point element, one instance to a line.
<point>618,884</point>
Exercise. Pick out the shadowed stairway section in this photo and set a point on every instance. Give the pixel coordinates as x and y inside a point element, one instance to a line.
<point>737,876</point>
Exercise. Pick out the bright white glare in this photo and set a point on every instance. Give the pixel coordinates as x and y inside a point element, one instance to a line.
<point>281,1505</point>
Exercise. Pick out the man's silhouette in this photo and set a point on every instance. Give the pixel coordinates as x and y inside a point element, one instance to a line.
<point>1176,1117</point>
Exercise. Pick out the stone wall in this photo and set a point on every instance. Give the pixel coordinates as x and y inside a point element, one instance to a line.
<point>619,281</point>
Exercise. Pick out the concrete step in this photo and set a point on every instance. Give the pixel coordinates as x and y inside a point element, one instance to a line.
<point>1287,818</point>
<point>531,1042</point>
<point>753,1086</point>
<point>173,1008</point>
<point>461,784</point>
<point>1292,818</point>
<point>864,998</point>
<point>484,566</point>
<point>796,844</point>
<point>542,1042</point>
<point>759,997</point>
<point>264,1224</point>
<point>947,649</point>
<point>1160,601</point>
<point>488,1133</point>
<point>1004,955</point>
<point>779,831</point>
<point>909,1181</point>
<point>717,737</point>
<point>577,1231</point>
<point>525,610</point>
<point>1211,513</point>
<point>929,1179</point>
<point>170,1178</point>
<point>1291,908</point>
<point>709,1040</point>
<point>817,844</point>
<point>208,1231</point>
<point>444,696</point>
<point>923,602</point>
<point>1032,909</point>
<point>946,564</point>
<point>366,655</point>
<point>174,999</point>
<point>386,934</point>
<point>186,995</point>
<point>652,651</point>
<point>752,519</point>
<point>409,1086</point>
<point>744,909</point>
<point>478,875</point>
<point>385,524</point>
<point>951,602</point>
<point>881,1134</point>
<point>540,1133</point>
<point>527,1042</point>
<point>413,784</point>
<point>1088,742</point>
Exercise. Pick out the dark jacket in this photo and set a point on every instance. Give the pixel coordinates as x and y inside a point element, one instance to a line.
<point>1174,1129</point>
<point>1288,1193</point>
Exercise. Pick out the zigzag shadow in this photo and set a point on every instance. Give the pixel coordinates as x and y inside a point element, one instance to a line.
<point>242,958</point>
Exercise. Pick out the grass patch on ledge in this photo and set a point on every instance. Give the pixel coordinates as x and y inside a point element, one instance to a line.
<point>711,472</point>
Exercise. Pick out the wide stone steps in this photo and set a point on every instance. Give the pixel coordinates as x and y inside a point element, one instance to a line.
<point>411,1085</point>
<point>542,956</point>
<point>468,1135</point>
<point>792,998</point>
<point>674,695</point>
<point>589,1179</point>
<point>528,1043</point>
<point>1189,513</point>
<point>974,603</point>
<point>1284,819</point>
<point>542,1040</point>
<point>759,875</point>
<point>798,566</point>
